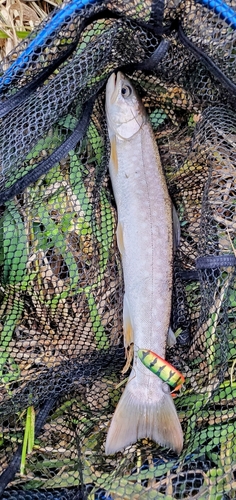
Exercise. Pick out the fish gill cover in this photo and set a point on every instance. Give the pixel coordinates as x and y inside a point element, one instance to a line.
<point>61,273</point>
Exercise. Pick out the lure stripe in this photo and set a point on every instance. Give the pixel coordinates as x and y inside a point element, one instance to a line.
<point>164,370</point>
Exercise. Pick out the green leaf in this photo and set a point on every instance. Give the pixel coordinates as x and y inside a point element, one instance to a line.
<point>56,239</point>
<point>68,122</point>
<point>28,440</point>
<point>20,34</point>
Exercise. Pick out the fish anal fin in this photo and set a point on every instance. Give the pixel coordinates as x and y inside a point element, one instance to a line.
<point>128,335</point>
<point>114,157</point>
<point>127,324</point>
<point>129,353</point>
<point>139,415</point>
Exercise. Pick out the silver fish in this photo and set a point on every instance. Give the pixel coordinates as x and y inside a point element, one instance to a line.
<point>145,241</point>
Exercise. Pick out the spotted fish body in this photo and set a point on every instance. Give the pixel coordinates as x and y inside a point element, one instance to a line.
<point>145,241</point>
<point>164,370</point>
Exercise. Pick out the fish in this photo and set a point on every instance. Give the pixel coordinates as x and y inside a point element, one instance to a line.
<point>145,241</point>
<point>164,370</point>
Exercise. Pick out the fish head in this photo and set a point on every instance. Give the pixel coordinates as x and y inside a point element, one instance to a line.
<point>124,109</point>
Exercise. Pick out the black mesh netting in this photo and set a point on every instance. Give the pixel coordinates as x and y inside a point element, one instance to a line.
<point>61,274</point>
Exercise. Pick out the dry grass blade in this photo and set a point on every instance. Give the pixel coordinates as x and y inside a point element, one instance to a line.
<point>18,18</point>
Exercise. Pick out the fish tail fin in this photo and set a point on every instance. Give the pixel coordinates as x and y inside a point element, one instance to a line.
<point>142,414</point>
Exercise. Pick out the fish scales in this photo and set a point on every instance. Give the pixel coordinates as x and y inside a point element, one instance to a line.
<point>145,241</point>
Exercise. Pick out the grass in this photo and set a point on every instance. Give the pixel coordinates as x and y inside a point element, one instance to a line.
<point>17,20</point>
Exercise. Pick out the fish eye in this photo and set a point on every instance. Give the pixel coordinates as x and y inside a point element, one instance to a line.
<point>126,91</point>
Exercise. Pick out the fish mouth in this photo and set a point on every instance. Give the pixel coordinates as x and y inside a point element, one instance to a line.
<point>113,84</point>
<point>113,87</point>
<point>117,84</point>
<point>118,77</point>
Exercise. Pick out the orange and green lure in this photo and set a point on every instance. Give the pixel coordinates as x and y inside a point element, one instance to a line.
<point>164,370</point>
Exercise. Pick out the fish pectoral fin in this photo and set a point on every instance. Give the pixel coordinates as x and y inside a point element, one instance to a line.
<point>120,237</point>
<point>171,339</point>
<point>176,229</point>
<point>141,415</point>
<point>114,157</point>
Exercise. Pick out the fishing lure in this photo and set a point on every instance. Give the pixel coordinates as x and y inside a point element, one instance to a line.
<point>164,370</point>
